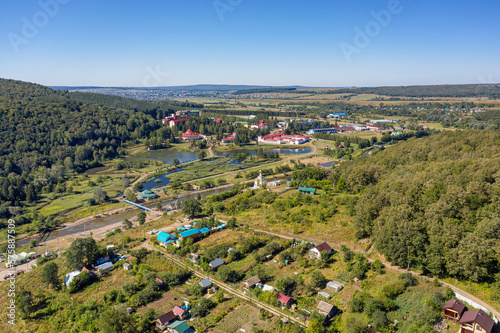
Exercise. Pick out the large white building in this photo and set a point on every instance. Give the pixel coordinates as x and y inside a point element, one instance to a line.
<point>280,139</point>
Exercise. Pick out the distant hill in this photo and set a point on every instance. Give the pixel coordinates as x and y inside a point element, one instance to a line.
<point>198,87</point>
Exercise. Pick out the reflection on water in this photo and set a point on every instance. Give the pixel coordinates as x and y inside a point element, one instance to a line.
<point>253,152</point>
<point>165,155</point>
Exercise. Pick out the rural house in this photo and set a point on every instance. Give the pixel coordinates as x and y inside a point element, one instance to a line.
<point>216,263</point>
<point>476,321</point>
<point>454,309</point>
<point>326,309</point>
<point>178,327</point>
<point>251,282</point>
<point>180,312</point>
<point>315,252</point>
<point>165,320</point>
<point>285,300</point>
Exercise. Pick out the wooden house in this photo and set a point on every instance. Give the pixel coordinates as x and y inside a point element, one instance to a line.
<point>165,320</point>
<point>454,309</point>
<point>315,252</point>
<point>251,282</point>
<point>476,321</point>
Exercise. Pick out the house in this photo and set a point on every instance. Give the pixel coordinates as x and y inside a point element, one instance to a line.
<point>178,327</point>
<point>476,321</point>
<point>70,277</point>
<point>279,139</point>
<point>260,125</point>
<point>334,285</point>
<point>191,233</point>
<point>315,252</point>
<point>165,320</point>
<point>230,139</point>
<point>190,135</point>
<point>160,283</point>
<point>454,309</point>
<point>326,309</point>
<point>205,284</point>
<point>268,288</point>
<point>104,268</point>
<point>216,263</point>
<point>219,120</point>
<point>165,238</point>
<point>180,312</point>
<point>127,266</point>
<point>251,282</point>
<point>336,115</point>
<point>285,300</point>
<point>307,190</point>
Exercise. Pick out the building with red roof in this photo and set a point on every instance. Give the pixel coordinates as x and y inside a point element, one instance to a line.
<point>219,120</point>
<point>190,135</point>
<point>476,321</point>
<point>260,125</point>
<point>230,139</point>
<point>280,139</point>
<point>315,252</point>
<point>285,300</point>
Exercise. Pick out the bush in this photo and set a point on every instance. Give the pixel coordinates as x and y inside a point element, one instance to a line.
<point>81,281</point>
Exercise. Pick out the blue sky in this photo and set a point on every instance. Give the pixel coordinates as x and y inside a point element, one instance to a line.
<point>318,43</point>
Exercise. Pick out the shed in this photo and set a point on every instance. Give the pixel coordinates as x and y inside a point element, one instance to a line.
<point>326,309</point>
<point>334,285</point>
<point>206,283</point>
<point>127,266</point>
<point>251,282</point>
<point>216,263</point>
<point>454,309</point>
<point>104,267</point>
<point>307,190</point>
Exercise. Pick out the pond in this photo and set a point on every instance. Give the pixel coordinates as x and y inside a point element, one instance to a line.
<point>253,152</point>
<point>165,155</point>
<point>159,181</point>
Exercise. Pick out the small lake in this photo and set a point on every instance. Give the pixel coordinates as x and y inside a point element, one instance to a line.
<point>107,220</point>
<point>165,155</point>
<point>253,152</point>
<point>327,164</point>
<point>154,183</point>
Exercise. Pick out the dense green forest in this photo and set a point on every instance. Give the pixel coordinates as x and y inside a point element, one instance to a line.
<point>432,203</point>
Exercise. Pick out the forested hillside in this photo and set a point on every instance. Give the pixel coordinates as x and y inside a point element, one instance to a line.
<point>433,203</point>
<point>48,134</point>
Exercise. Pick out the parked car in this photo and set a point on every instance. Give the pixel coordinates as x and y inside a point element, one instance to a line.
<point>155,231</point>
<point>187,219</point>
<point>179,221</point>
<point>149,232</point>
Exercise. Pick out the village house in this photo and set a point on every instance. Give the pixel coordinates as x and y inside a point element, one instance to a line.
<point>165,320</point>
<point>316,251</point>
<point>191,233</point>
<point>251,282</point>
<point>454,309</point>
<point>285,301</point>
<point>205,284</point>
<point>260,125</point>
<point>476,321</point>
<point>165,239</point>
<point>216,263</point>
<point>180,312</point>
<point>70,276</point>
<point>104,268</point>
<point>307,190</point>
<point>178,327</point>
<point>326,309</point>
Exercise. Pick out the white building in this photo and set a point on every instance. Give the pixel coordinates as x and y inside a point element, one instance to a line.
<point>259,181</point>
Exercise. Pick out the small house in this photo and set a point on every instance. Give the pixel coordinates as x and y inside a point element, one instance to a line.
<point>191,233</point>
<point>334,285</point>
<point>307,190</point>
<point>127,266</point>
<point>180,313</point>
<point>268,288</point>
<point>326,309</point>
<point>285,300</point>
<point>165,320</point>
<point>164,238</point>
<point>178,327</point>
<point>454,309</point>
<point>316,251</point>
<point>251,282</point>
<point>104,268</point>
<point>476,321</point>
<point>205,284</point>
<point>216,263</point>
<point>70,277</point>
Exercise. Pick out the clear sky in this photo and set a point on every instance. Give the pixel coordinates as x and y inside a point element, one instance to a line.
<point>274,42</point>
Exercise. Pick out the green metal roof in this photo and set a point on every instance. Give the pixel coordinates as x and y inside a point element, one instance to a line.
<point>307,189</point>
<point>148,194</point>
<point>180,326</point>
